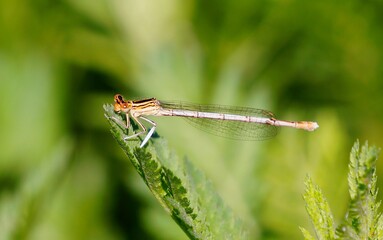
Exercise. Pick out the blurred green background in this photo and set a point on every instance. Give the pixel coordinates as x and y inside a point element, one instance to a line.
<point>62,176</point>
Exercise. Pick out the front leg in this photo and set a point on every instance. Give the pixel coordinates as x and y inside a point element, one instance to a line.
<point>119,122</point>
<point>126,125</point>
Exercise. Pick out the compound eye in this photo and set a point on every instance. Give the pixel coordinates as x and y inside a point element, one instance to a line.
<point>119,99</point>
<point>120,104</point>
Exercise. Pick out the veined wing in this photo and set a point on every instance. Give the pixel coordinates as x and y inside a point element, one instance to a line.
<point>228,128</point>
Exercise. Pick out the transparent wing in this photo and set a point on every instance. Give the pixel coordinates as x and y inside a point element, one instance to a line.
<point>225,128</point>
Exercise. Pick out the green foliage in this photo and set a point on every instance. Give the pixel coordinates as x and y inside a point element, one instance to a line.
<point>363,219</point>
<point>319,211</point>
<point>60,62</point>
<point>181,189</point>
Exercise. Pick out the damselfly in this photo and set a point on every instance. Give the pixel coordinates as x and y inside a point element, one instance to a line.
<point>232,122</point>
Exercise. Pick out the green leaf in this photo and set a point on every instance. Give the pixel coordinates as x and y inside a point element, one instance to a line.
<point>363,219</point>
<point>306,234</point>
<point>319,211</point>
<point>182,190</point>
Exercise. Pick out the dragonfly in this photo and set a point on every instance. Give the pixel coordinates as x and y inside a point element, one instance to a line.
<point>240,123</point>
